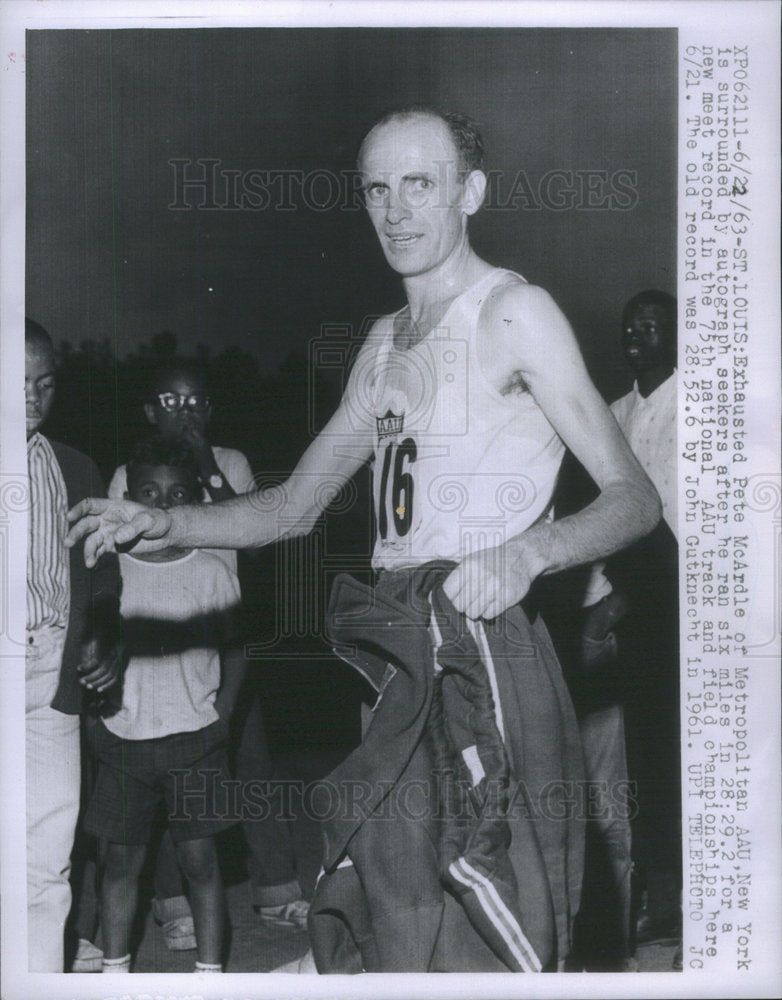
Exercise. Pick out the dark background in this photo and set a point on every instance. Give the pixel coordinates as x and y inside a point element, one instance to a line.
<point>121,279</point>
<point>107,110</point>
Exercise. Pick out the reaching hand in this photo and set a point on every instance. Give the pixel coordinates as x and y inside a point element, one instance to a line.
<point>192,436</point>
<point>100,666</point>
<point>106,524</point>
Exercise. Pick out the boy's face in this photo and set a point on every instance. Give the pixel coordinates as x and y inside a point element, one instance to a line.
<point>39,384</point>
<point>646,337</point>
<point>162,486</point>
<point>177,424</point>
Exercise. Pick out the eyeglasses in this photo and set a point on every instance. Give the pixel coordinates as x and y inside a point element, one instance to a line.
<point>173,402</point>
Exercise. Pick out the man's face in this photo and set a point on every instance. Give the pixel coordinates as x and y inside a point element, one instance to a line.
<point>174,424</point>
<point>414,196</point>
<point>646,337</point>
<point>39,384</point>
<point>162,486</point>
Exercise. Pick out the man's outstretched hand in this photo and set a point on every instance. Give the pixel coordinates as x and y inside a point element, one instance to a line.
<point>106,524</point>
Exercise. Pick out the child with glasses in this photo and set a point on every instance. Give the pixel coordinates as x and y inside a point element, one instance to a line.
<point>180,408</point>
<point>167,743</point>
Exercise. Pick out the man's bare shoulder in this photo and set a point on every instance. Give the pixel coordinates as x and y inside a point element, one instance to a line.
<point>513,300</point>
<point>522,323</point>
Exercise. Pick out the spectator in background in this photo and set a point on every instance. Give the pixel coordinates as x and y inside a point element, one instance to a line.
<point>168,740</point>
<point>180,407</point>
<point>631,610</point>
<point>72,650</point>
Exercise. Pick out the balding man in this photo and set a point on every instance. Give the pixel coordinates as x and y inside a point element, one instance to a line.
<point>465,399</point>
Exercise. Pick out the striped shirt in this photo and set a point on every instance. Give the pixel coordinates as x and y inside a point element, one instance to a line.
<point>48,583</point>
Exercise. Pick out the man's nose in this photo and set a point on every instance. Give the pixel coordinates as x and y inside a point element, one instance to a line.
<point>397,210</point>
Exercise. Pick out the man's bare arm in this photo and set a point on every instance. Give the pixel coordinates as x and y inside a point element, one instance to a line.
<point>252,519</point>
<point>249,520</point>
<point>525,329</point>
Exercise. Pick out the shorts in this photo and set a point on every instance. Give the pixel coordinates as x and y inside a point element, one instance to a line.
<point>186,771</point>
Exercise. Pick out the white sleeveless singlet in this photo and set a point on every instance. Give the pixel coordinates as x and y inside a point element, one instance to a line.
<point>458,467</point>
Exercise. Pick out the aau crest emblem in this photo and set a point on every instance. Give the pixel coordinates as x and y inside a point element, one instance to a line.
<point>390,424</point>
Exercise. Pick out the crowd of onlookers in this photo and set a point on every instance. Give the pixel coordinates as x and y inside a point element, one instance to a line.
<point>137,685</point>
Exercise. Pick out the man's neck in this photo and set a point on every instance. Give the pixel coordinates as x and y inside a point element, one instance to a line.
<point>429,291</point>
<point>652,379</point>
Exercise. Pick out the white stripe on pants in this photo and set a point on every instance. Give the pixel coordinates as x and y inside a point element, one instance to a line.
<point>53,778</point>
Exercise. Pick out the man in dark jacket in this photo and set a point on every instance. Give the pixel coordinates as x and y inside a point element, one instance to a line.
<point>72,648</point>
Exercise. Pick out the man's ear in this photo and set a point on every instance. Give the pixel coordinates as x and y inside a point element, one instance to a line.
<point>474,192</point>
<point>149,409</point>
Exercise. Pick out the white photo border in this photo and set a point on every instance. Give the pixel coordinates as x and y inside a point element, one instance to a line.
<point>718,24</point>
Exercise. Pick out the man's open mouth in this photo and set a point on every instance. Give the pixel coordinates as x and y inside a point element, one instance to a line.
<point>404,239</point>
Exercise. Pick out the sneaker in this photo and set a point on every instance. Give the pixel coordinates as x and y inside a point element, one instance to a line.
<point>179,934</point>
<point>288,915</point>
<point>88,958</point>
